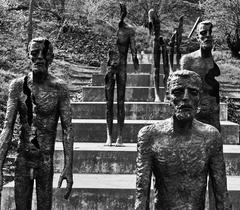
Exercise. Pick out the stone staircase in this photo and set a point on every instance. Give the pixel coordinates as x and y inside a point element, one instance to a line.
<point>104,177</point>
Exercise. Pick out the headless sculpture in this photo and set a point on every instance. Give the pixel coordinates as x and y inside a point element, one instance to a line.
<point>117,72</point>
<point>180,152</point>
<point>158,45</point>
<point>40,99</point>
<point>175,42</point>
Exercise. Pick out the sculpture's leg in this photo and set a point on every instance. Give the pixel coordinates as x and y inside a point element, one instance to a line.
<point>23,185</point>
<point>165,67</point>
<point>156,54</point>
<point>121,78</point>
<point>211,195</point>
<point>109,94</point>
<point>44,180</point>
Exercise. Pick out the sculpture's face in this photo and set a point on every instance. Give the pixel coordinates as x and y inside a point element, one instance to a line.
<point>205,35</point>
<point>40,56</point>
<point>184,97</point>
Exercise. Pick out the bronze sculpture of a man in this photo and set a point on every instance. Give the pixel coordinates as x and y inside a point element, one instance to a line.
<point>117,72</point>
<point>159,46</point>
<point>201,61</point>
<point>181,152</point>
<point>40,99</point>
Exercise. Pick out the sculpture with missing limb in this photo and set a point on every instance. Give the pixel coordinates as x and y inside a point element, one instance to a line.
<point>201,61</point>
<point>159,45</point>
<point>117,73</point>
<point>40,99</point>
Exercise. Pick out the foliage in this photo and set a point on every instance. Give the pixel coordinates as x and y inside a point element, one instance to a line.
<point>225,14</point>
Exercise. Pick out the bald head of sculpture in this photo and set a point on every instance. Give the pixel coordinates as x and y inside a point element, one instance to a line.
<point>40,52</point>
<point>184,89</point>
<point>204,34</point>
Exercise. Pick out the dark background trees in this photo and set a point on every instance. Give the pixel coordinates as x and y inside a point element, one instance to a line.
<point>225,15</point>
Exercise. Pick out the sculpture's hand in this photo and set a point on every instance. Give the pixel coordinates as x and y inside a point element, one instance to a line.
<point>66,174</point>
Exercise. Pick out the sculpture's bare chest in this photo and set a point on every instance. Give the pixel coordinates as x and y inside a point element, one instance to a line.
<point>174,156</point>
<point>44,100</point>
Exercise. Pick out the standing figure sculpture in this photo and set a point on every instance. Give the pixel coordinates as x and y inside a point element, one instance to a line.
<point>40,99</point>
<point>117,71</point>
<point>176,39</point>
<point>180,152</point>
<point>158,43</point>
<point>201,61</point>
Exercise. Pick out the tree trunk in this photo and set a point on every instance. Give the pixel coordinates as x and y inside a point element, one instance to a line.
<point>234,44</point>
<point>30,27</point>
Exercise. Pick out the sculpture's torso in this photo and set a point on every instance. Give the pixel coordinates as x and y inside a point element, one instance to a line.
<point>45,113</point>
<point>208,70</point>
<point>124,35</point>
<point>180,165</point>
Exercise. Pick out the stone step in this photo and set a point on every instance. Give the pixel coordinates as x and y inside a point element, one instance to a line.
<point>132,80</point>
<point>97,93</point>
<point>145,68</point>
<point>133,110</point>
<point>95,158</point>
<point>94,130</point>
<point>102,191</point>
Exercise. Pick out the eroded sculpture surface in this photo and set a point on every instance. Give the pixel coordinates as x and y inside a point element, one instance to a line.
<point>117,73</point>
<point>201,61</point>
<point>180,152</point>
<point>40,99</point>
<point>159,47</point>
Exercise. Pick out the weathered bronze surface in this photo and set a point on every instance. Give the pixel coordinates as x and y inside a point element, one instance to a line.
<point>201,61</point>
<point>40,99</point>
<point>117,72</point>
<point>159,46</point>
<point>180,152</point>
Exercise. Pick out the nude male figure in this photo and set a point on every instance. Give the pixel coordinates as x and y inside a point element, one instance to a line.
<point>180,152</point>
<point>201,61</point>
<point>159,47</point>
<point>40,99</point>
<point>117,72</point>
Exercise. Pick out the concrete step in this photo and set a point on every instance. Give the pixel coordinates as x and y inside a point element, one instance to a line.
<point>98,192</point>
<point>145,68</point>
<point>132,80</point>
<point>94,130</point>
<point>133,110</point>
<point>97,93</point>
<point>95,158</point>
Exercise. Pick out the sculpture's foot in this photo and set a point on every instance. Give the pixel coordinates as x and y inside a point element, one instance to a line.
<point>119,142</point>
<point>108,142</point>
<point>157,99</point>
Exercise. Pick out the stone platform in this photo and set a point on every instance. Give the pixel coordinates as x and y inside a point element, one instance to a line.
<point>103,192</point>
<point>104,177</point>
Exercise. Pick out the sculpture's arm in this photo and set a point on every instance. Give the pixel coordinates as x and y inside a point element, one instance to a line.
<point>217,173</point>
<point>10,118</point>
<point>144,172</point>
<point>134,50</point>
<point>66,118</point>
<point>216,70</point>
<point>186,62</point>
